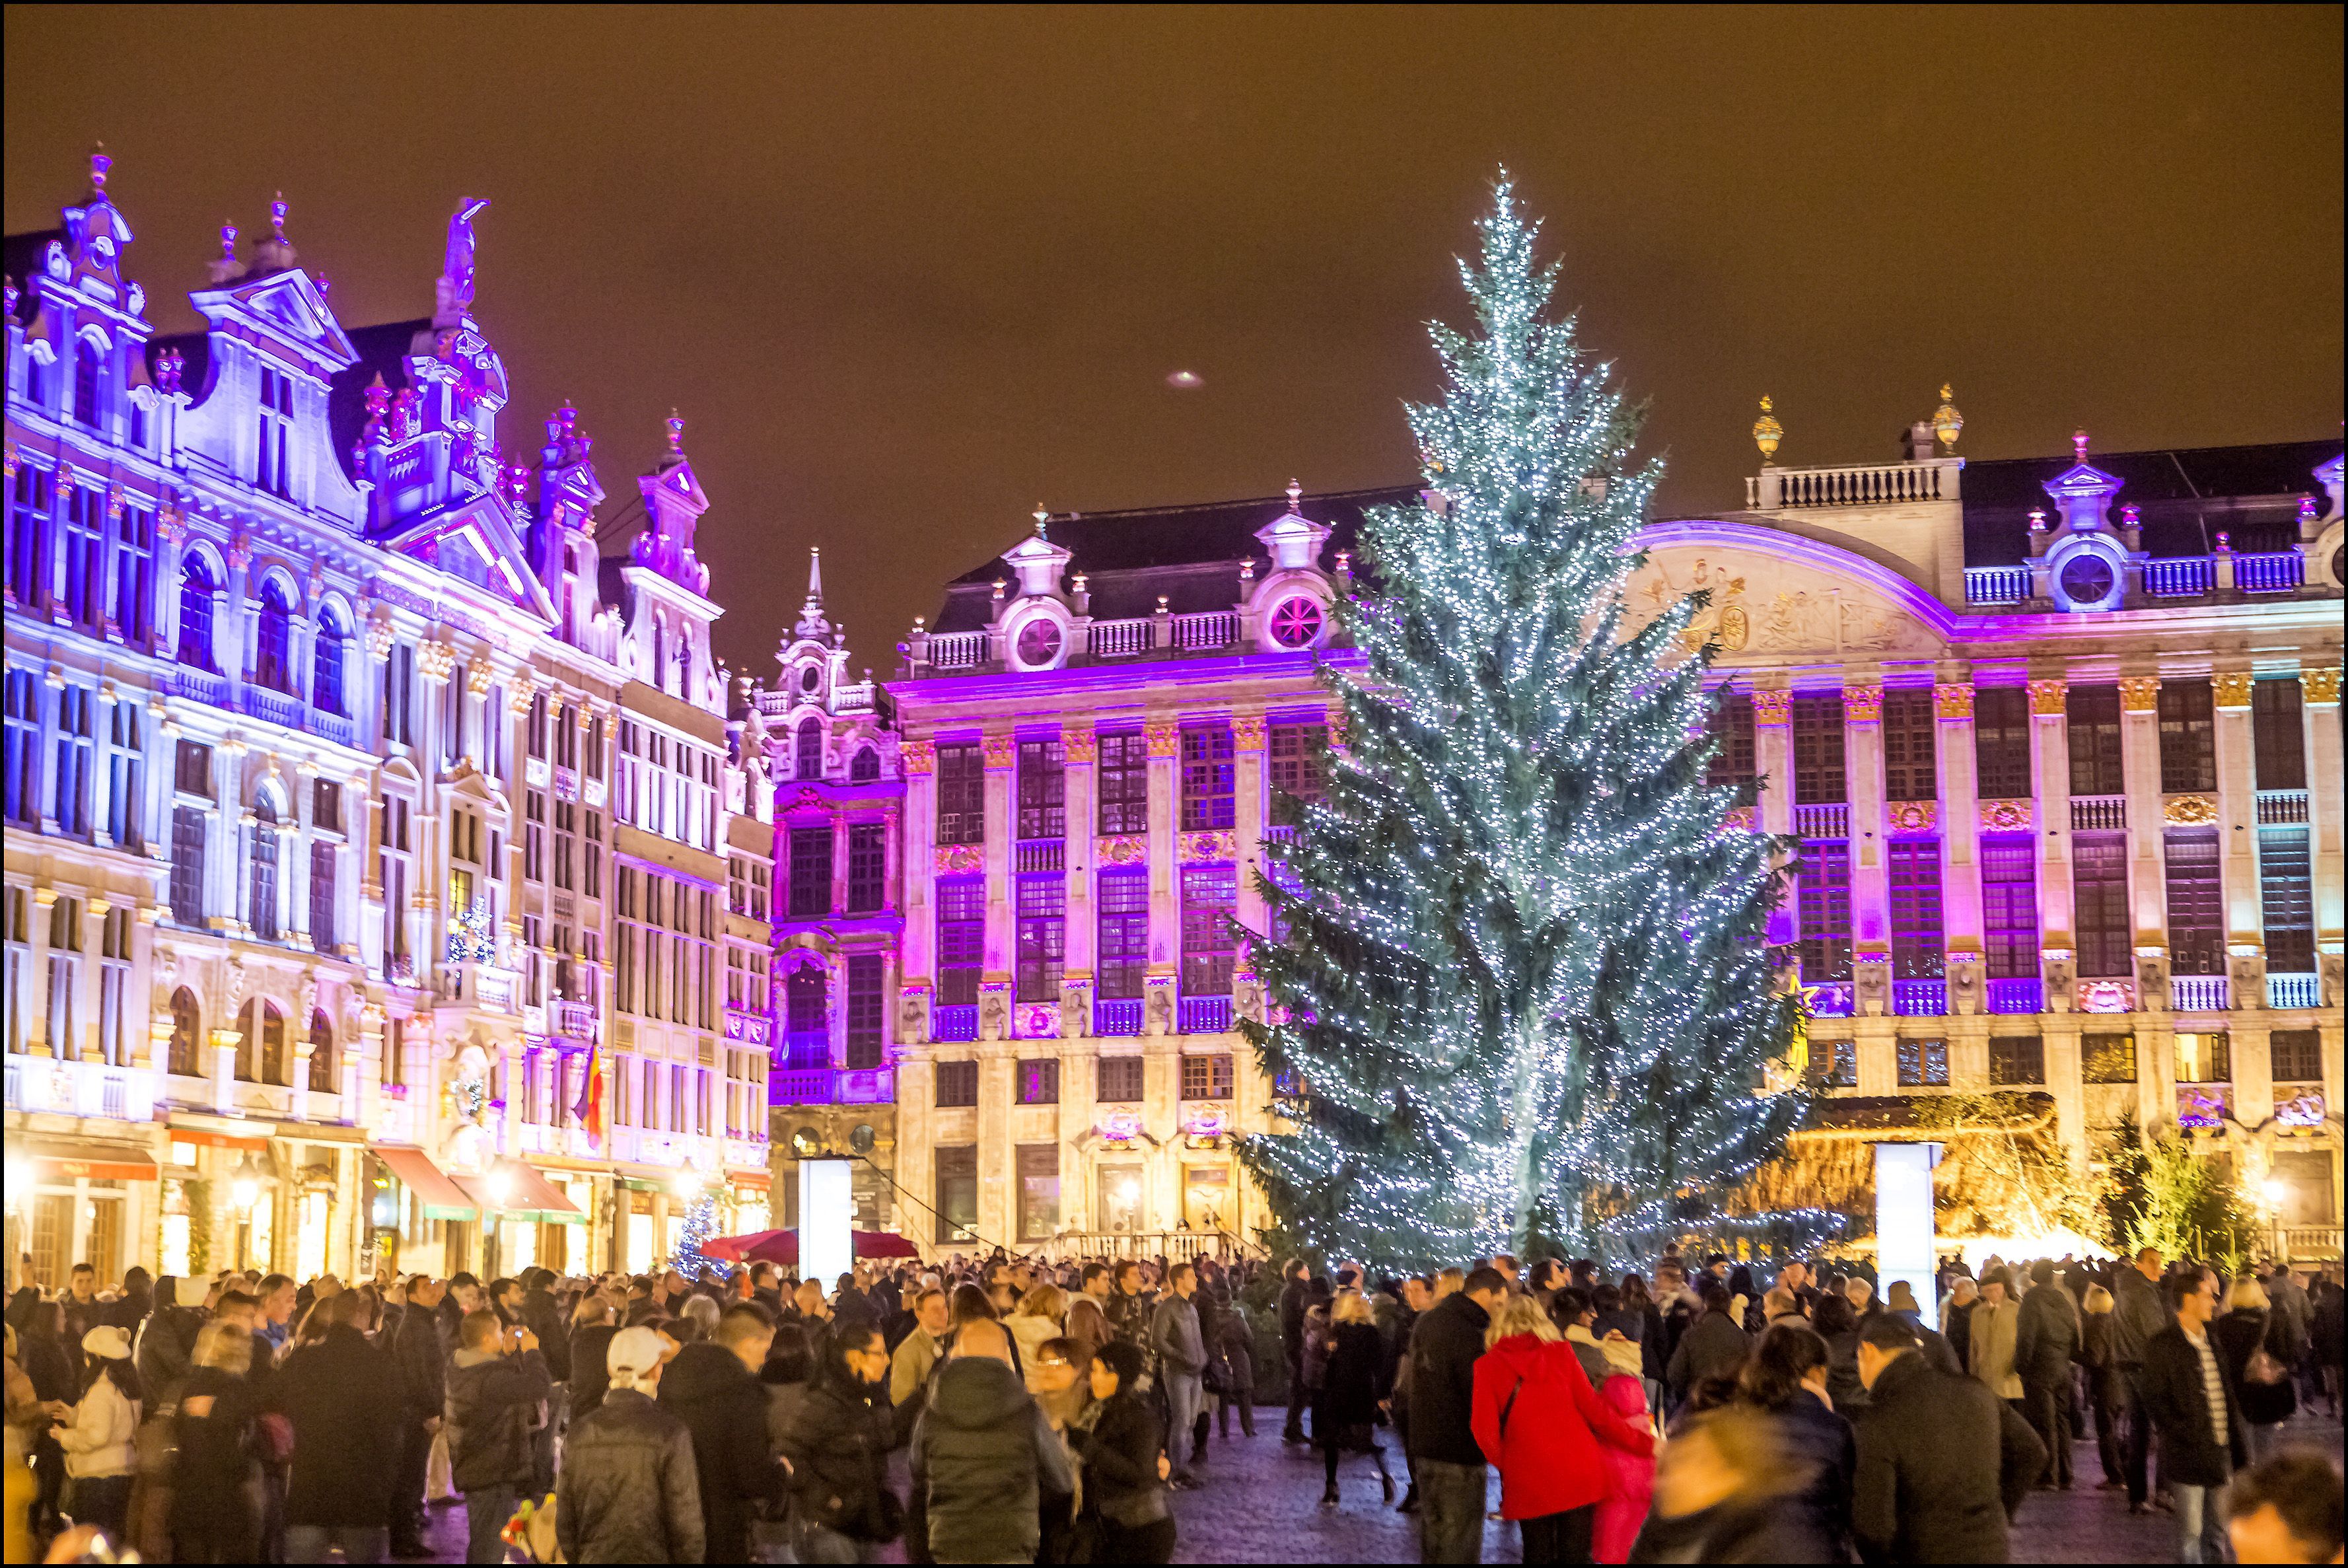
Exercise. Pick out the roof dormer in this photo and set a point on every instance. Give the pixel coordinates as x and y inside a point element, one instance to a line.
<point>1294,540</point>
<point>1037,562</point>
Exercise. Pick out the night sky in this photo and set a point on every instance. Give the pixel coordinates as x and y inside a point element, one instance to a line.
<point>908,273</point>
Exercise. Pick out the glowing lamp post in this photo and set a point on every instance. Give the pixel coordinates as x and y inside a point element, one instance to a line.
<point>2271,1194</point>
<point>244,1192</point>
<point>498,1187</point>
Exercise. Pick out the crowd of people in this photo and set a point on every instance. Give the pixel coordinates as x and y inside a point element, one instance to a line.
<point>1010,1409</point>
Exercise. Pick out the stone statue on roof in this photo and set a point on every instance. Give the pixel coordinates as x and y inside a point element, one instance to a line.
<point>456,285</point>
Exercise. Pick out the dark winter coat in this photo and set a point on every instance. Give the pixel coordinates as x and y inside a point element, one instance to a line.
<point>213,1489</point>
<point>1444,1346</point>
<point>591,1371</point>
<point>489,1406</point>
<point>1120,1459</point>
<point>983,1454</point>
<point>2240,1332</point>
<point>1734,1531</point>
<point>724,1404</point>
<point>422,1357</point>
<point>837,1442</point>
<point>1960,1332</point>
<point>166,1354</point>
<point>2048,1338</point>
<point>1821,1442</point>
<point>1943,1462</point>
<point>629,1494</point>
<point>2179,1402</point>
<point>343,1397</point>
<point>1714,1346</point>
<point>1176,1337</point>
<point>1352,1383</point>
<point>544,1317</point>
<point>1295,1300</point>
<point>2137,1314</point>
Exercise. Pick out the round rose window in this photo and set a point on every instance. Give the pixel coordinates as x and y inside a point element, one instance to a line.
<point>1039,643</point>
<point>1296,621</point>
<point>2086,579</point>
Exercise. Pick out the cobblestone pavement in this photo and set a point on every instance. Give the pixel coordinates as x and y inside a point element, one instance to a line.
<point>1260,1503</point>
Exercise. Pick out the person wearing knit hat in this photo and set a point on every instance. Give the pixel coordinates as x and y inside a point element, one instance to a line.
<point>99,1434</point>
<point>630,1491</point>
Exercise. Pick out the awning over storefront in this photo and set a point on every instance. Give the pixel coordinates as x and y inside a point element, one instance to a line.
<point>441,1198</point>
<point>527,1196</point>
<point>58,1165</point>
<point>203,1139</point>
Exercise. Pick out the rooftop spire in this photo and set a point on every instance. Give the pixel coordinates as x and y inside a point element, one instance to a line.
<point>1946,421</point>
<point>226,268</point>
<point>1767,433</point>
<point>99,163</point>
<point>2079,444</point>
<point>812,623</point>
<point>676,431</point>
<point>1295,496</point>
<point>1042,516</point>
<point>275,253</point>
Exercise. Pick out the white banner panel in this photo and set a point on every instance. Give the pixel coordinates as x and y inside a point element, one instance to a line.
<point>827,1214</point>
<point>1904,1224</point>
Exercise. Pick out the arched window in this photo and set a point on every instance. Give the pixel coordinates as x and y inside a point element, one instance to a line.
<point>260,1050</point>
<point>808,751</point>
<point>327,662</point>
<point>262,916</point>
<point>322,1053</point>
<point>196,589</point>
<point>273,664</point>
<point>866,769</point>
<point>186,1035</point>
<point>89,364</point>
<point>809,1042</point>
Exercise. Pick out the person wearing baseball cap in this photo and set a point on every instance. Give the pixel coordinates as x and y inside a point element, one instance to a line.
<point>631,1491</point>
<point>99,1434</point>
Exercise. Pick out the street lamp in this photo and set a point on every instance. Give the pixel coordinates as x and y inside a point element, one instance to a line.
<point>2274,1190</point>
<point>244,1192</point>
<point>499,1187</point>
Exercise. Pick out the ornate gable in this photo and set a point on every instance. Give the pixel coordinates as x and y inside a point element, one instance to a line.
<point>285,309</point>
<point>1781,595</point>
<point>474,541</point>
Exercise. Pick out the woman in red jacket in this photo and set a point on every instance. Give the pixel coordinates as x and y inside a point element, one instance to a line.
<point>1538,1419</point>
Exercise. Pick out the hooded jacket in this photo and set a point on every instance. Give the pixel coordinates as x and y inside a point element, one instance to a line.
<point>983,1453</point>
<point>629,1492</point>
<point>1548,1448</point>
<point>838,1441</point>
<point>724,1404</point>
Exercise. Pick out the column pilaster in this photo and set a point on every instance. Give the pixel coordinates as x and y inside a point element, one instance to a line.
<point>2238,838</point>
<point>1079,780</point>
<point>2050,771</point>
<point>2147,895</point>
<point>1164,738</point>
<point>2319,716</point>
<point>1871,873</point>
<point>1960,884</point>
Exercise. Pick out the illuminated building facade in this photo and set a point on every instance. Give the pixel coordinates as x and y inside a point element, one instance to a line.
<point>323,826</point>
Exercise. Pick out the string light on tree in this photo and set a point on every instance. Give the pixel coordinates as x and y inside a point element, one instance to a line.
<point>699,1227</point>
<point>1520,957</point>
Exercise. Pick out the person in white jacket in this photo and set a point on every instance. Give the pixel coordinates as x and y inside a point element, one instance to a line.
<point>100,1435</point>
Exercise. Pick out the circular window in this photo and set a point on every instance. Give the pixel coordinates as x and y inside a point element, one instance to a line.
<point>806,1144</point>
<point>2340,564</point>
<point>2087,578</point>
<point>1039,642</point>
<point>863,1138</point>
<point>810,677</point>
<point>1296,621</point>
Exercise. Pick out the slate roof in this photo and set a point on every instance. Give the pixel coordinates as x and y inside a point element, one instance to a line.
<point>2187,494</point>
<point>22,257</point>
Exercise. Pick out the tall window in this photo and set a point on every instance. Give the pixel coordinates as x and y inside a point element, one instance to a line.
<point>77,762</point>
<point>2196,915</point>
<point>2016,1059</point>
<point>2296,1056</point>
<point>1918,947</point>
<point>64,979</point>
<point>865,1021</point>
<point>1826,912</point>
<point>322,1053</point>
<point>126,776</point>
<point>1298,757</point>
<point>2188,740</point>
<point>807,749</point>
<point>957,1206</point>
<point>114,1012</point>
<point>867,867</point>
<point>196,590</point>
<point>191,768</point>
<point>2010,905</point>
<point>1207,1077</point>
<point>1819,777</point>
<point>2287,900</point>
<point>24,747</point>
<point>134,575</point>
<point>1042,786</point>
<point>85,557</point>
<point>29,502</point>
<point>1210,949</point>
<point>962,795</point>
<point>275,413</point>
<point>399,695</point>
<point>16,926</point>
<point>864,768</point>
<point>2001,742</point>
<point>1036,1081</point>
<point>1911,762</point>
<point>2278,740</point>
<point>1042,930</point>
<point>323,935</point>
<point>263,916</point>
<point>273,664</point>
<point>1733,764</point>
<point>89,370</point>
<point>188,865</point>
<point>957,1084</point>
<point>962,939</point>
<point>1122,777</point>
<point>810,871</point>
<point>2092,718</point>
<point>809,1040</point>
<point>1921,1063</point>
<point>1210,778</point>
<point>2099,899</point>
<point>1124,946</point>
<point>186,1059</point>
<point>327,662</point>
<point>1118,1081</point>
<point>263,1049</point>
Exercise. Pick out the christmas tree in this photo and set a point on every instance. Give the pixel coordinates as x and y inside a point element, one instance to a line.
<point>700,1224</point>
<point>1520,963</point>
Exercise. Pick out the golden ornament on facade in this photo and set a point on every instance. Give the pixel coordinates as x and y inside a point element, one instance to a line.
<point>1121,850</point>
<point>2320,685</point>
<point>1077,743</point>
<point>1247,733</point>
<point>1862,704</point>
<point>1952,701</point>
<point>1165,740</point>
<point>1767,432</point>
<point>2189,811</point>
<point>2048,698</point>
<point>2140,694</point>
<point>2231,688</point>
<point>919,757</point>
<point>961,857</point>
<point>478,677</point>
<point>435,659</point>
<point>1915,816</point>
<point>1000,750</point>
<point>2005,815</point>
<point>1946,423</point>
<point>1771,706</point>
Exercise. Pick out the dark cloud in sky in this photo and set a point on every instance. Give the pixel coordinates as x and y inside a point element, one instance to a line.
<point>909,272</point>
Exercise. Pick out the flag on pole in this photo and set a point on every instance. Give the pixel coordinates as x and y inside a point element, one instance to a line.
<point>590,1109</point>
